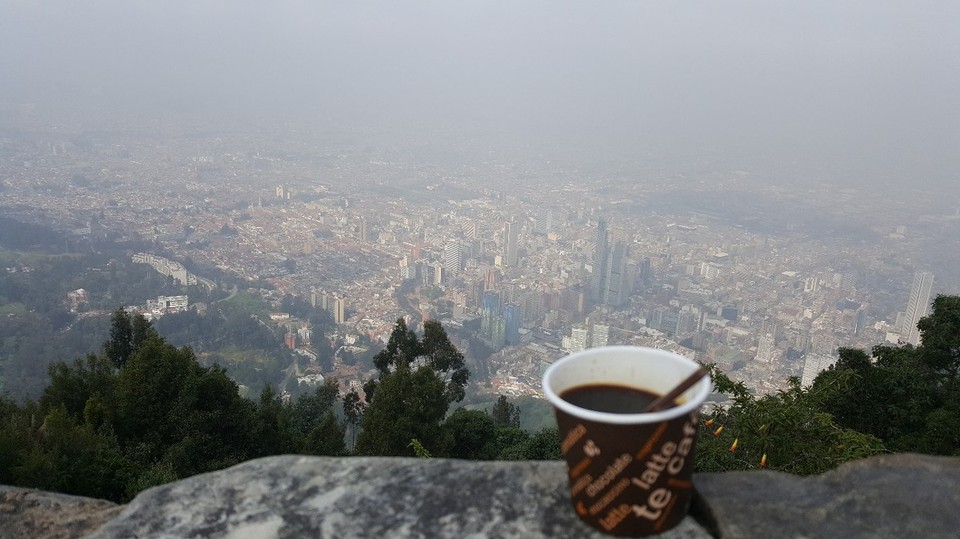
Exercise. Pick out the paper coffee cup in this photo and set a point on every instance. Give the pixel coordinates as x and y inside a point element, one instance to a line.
<point>630,473</point>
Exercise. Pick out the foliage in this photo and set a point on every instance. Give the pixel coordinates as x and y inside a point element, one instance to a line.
<point>407,404</point>
<point>419,379</point>
<point>144,411</point>
<point>505,414</point>
<point>786,431</point>
<point>353,408</point>
<point>470,434</point>
<point>908,397</point>
<point>109,427</point>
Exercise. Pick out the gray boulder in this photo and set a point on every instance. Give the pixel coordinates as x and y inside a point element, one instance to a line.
<point>47,515</point>
<point>893,496</point>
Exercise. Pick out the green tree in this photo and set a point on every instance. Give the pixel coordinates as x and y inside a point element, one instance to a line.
<point>66,457</point>
<point>505,414</point>
<point>402,349</point>
<point>212,425</point>
<point>444,358</point>
<point>888,398</point>
<point>470,434</point>
<point>140,331</point>
<point>418,380</point>
<point>72,387</point>
<point>407,404</point>
<point>120,346</point>
<point>544,445</point>
<point>940,340</point>
<point>907,396</point>
<point>272,433</point>
<point>318,430</point>
<point>512,443</point>
<point>786,431</point>
<point>353,408</point>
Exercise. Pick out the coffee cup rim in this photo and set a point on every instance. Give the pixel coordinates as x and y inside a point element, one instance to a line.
<point>701,390</point>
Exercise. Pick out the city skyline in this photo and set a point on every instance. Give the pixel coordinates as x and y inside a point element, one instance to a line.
<point>747,183</point>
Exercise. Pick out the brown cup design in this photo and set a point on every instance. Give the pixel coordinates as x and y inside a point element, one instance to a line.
<point>627,491</point>
<point>630,474</point>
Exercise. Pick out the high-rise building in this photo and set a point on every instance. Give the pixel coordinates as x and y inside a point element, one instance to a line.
<point>860,322</point>
<point>814,364</point>
<point>337,306</point>
<point>498,333</point>
<point>543,221</point>
<point>363,230</point>
<point>645,273</point>
<point>511,232</point>
<point>511,320</point>
<point>491,312</point>
<point>471,231</point>
<point>765,348</point>
<point>617,286</point>
<point>491,302</point>
<point>916,306</point>
<point>578,338</point>
<point>600,256</point>
<point>304,334</point>
<point>491,276</point>
<point>599,335</point>
<point>453,257</point>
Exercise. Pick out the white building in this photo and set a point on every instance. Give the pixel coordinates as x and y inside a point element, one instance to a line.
<point>813,365</point>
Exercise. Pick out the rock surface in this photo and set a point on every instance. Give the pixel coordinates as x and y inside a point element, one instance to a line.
<point>34,513</point>
<point>364,497</point>
<point>904,495</point>
<point>290,496</point>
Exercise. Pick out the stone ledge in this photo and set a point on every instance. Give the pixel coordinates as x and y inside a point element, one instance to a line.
<point>904,495</point>
<point>34,513</point>
<point>292,496</point>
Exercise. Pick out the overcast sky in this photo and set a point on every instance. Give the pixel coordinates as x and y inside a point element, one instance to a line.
<point>870,80</point>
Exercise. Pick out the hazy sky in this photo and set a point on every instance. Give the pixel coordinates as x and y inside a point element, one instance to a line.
<point>857,81</point>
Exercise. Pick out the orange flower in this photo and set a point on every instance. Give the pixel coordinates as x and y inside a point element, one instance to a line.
<point>733,446</point>
<point>708,423</point>
<point>763,461</point>
<point>718,431</point>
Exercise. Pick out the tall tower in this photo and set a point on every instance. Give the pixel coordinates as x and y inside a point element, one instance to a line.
<point>511,320</point>
<point>337,306</point>
<point>617,286</point>
<point>917,306</point>
<point>491,313</point>
<point>511,232</point>
<point>453,257</point>
<point>363,230</point>
<point>600,257</point>
<point>578,338</point>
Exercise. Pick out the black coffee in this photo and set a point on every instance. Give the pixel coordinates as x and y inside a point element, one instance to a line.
<point>610,398</point>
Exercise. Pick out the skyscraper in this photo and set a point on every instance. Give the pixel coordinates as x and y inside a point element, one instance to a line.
<point>511,232</point>
<point>916,306</point>
<point>599,335</point>
<point>453,257</point>
<point>337,308</point>
<point>491,276</point>
<point>511,319</point>
<point>645,273</point>
<point>600,256</point>
<point>814,364</point>
<point>363,230</point>
<point>617,285</point>
<point>491,312</point>
<point>578,338</point>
